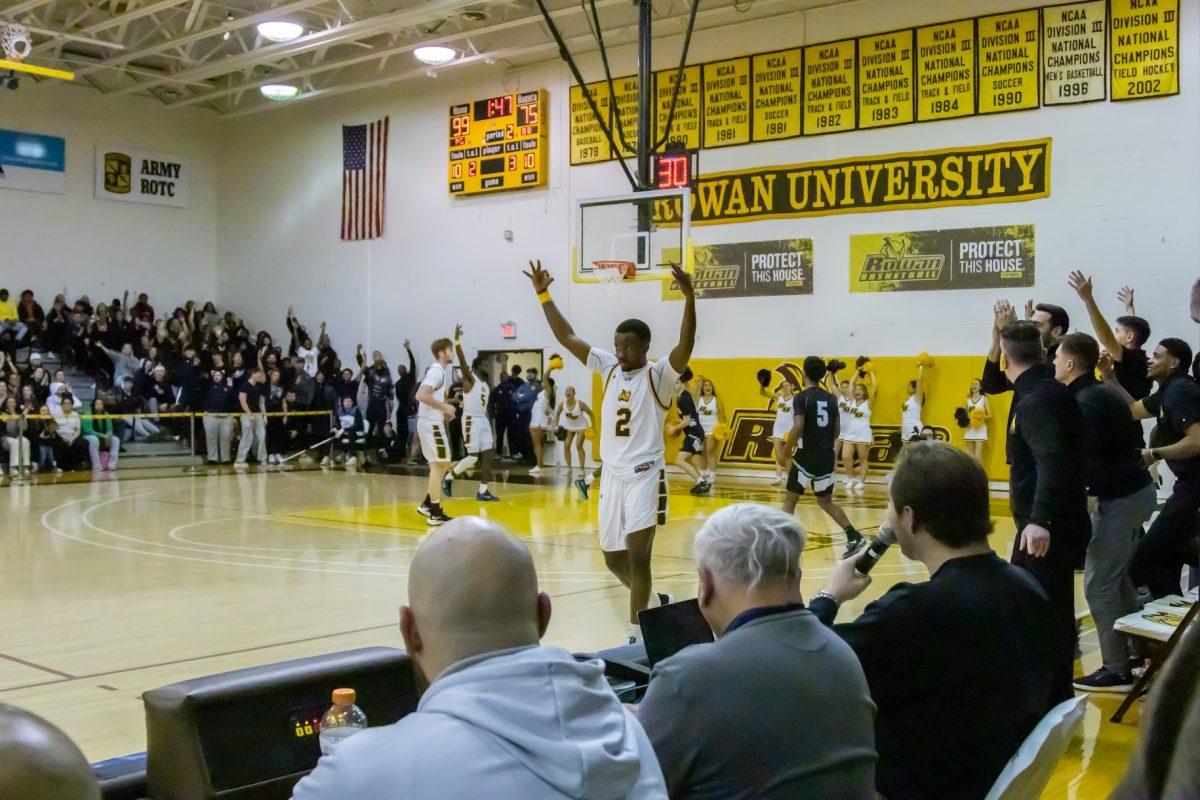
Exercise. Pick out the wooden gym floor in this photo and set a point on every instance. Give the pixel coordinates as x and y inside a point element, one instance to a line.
<point>110,588</point>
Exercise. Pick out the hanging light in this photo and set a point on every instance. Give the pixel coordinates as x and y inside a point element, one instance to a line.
<point>435,54</point>
<point>279,91</point>
<point>280,30</point>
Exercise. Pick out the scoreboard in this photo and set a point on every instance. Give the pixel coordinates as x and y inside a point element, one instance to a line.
<point>499,143</point>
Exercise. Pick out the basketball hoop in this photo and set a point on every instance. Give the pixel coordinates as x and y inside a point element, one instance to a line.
<point>15,41</point>
<point>612,273</point>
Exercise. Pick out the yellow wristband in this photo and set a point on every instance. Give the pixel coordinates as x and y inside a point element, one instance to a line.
<point>544,297</point>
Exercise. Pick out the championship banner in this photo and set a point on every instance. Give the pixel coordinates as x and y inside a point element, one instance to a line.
<point>830,87</point>
<point>140,176</point>
<point>777,86</point>
<point>997,173</point>
<point>33,162</point>
<point>685,123</point>
<point>1008,61</point>
<point>1145,48</point>
<point>751,417</point>
<point>749,269</point>
<point>946,70</point>
<point>588,143</point>
<point>962,258</point>
<point>885,79</point>
<point>625,118</point>
<point>727,102</point>
<point>1074,43</point>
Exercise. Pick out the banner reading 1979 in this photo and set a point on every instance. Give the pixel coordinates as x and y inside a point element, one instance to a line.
<point>962,258</point>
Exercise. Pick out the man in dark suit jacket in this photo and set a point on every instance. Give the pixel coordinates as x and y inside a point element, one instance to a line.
<point>1046,485</point>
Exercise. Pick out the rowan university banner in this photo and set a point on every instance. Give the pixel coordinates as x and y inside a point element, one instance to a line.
<point>995,173</point>
<point>140,176</point>
<point>961,258</point>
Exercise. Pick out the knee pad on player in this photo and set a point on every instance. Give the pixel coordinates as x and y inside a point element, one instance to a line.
<point>466,465</point>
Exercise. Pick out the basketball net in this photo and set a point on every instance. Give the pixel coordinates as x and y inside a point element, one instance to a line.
<point>14,41</point>
<point>613,273</point>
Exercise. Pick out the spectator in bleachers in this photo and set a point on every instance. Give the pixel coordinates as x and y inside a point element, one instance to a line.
<point>252,403</point>
<point>503,716</point>
<point>713,711</point>
<point>39,762</point>
<point>15,442</point>
<point>349,433</point>
<point>49,443</point>
<point>963,666</point>
<point>127,401</point>
<point>142,312</point>
<point>103,445</point>
<point>10,322</point>
<point>219,403</point>
<point>70,431</point>
<point>31,315</point>
<point>124,361</point>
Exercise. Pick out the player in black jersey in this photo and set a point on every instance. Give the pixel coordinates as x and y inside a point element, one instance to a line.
<point>689,425</point>
<point>816,420</point>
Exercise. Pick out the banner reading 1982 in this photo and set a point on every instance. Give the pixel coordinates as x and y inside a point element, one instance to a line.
<point>963,258</point>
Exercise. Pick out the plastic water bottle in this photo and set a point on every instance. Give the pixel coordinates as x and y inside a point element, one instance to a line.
<point>341,721</point>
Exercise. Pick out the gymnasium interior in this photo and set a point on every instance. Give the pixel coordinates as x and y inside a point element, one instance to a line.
<point>363,213</point>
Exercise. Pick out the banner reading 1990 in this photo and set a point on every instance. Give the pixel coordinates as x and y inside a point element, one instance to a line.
<point>962,258</point>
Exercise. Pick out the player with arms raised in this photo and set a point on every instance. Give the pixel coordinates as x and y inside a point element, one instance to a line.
<point>637,397</point>
<point>476,427</point>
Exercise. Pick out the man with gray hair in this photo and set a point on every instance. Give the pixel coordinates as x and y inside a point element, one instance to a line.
<point>503,716</point>
<point>778,706</point>
<point>39,762</point>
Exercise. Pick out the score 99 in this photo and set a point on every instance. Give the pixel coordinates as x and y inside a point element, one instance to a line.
<point>460,125</point>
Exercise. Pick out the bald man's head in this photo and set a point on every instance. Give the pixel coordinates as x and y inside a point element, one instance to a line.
<point>472,589</point>
<point>40,762</point>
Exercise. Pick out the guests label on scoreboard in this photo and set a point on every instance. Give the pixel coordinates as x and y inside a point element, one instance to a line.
<point>1145,48</point>
<point>1008,62</point>
<point>964,258</point>
<point>885,79</point>
<point>994,173</point>
<point>946,70</point>
<point>685,123</point>
<point>829,87</point>
<point>1073,42</point>
<point>727,102</point>
<point>140,176</point>
<point>749,269</point>
<point>777,86</point>
<point>588,142</point>
<point>625,116</point>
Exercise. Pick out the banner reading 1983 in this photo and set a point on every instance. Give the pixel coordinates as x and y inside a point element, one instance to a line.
<point>964,258</point>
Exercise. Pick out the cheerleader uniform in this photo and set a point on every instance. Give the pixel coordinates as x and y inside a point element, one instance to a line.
<point>784,418</point>
<point>860,423</point>
<point>976,432</point>
<point>572,418</point>
<point>910,419</point>
<point>708,414</point>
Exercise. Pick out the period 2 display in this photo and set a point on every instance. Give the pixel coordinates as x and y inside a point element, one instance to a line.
<point>499,144</point>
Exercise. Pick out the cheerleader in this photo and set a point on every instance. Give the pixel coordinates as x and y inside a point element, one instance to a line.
<point>910,412</point>
<point>711,413</point>
<point>783,396</point>
<point>978,415</point>
<point>857,439</point>
<point>574,417</point>
<point>540,420</point>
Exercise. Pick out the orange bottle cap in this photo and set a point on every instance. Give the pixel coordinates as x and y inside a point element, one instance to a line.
<point>344,697</point>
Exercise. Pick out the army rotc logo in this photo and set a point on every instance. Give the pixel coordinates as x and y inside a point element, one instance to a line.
<point>896,261</point>
<point>117,173</point>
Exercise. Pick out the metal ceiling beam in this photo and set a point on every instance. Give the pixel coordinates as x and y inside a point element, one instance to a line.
<point>74,37</point>
<point>285,77</point>
<point>20,8</point>
<point>351,31</point>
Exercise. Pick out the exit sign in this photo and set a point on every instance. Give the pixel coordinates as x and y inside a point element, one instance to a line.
<point>508,330</point>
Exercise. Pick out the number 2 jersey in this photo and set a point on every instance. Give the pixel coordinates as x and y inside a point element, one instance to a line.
<point>634,407</point>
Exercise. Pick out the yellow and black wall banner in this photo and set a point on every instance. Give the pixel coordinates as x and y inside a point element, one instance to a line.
<point>962,258</point>
<point>994,173</point>
<point>748,269</point>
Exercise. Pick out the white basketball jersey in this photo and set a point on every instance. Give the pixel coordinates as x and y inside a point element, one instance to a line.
<point>475,401</point>
<point>633,411</point>
<point>436,379</point>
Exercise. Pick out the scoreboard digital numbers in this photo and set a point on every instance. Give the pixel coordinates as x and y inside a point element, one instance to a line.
<point>499,144</point>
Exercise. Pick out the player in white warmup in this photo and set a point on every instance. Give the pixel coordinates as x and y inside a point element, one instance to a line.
<point>477,428</point>
<point>432,415</point>
<point>637,396</point>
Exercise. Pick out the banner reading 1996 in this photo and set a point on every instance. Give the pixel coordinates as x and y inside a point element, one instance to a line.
<point>1073,48</point>
<point>963,258</point>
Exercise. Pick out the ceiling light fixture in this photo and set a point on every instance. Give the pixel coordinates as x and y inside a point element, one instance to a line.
<point>280,30</point>
<point>279,91</point>
<point>435,55</point>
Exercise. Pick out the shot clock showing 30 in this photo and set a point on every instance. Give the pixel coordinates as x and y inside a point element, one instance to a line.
<point>499,143</point>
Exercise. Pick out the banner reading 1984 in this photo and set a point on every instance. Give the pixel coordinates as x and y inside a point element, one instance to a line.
<point>946,70</point>
<point>963,258</point>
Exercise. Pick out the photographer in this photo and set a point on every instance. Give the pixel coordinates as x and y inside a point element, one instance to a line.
<point>964,665</point>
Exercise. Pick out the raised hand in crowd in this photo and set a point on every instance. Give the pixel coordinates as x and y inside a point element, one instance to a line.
<point>1125,295</point>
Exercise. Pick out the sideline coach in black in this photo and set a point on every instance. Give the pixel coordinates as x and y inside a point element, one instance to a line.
<point>1046,486</point>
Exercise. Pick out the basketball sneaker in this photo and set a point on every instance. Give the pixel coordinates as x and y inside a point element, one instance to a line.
<point>703,487</point>
<point>486,497</point>
<point>582,486</point>
<point>438,517</point>
<point>853,540</point>
<point>535,472</point>
<point>447,485</point>
<point>1104,681</point>
<point>665,599</point>
<point>424,509</point>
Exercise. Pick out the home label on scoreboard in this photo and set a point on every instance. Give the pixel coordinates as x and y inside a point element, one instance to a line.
<point>499,143</point>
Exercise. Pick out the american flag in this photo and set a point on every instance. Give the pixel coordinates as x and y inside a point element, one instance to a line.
<point>364,179</point>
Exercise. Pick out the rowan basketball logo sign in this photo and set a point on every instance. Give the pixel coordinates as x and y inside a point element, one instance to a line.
<point>897,262</point>
<point>959,258</point>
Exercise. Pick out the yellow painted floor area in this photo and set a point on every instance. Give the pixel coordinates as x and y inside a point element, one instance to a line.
<point>114,587</point>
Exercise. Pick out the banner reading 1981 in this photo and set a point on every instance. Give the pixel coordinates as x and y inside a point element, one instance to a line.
<point>963,258</point>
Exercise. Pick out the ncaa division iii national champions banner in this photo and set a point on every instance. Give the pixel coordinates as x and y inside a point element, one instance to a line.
<point>960,258</point>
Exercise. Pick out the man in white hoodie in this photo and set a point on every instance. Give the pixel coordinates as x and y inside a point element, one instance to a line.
<point>503,717</point>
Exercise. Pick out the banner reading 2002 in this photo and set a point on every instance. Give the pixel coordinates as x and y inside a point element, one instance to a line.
<point>961,258</point>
